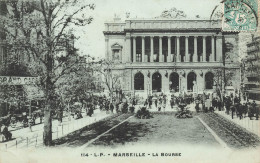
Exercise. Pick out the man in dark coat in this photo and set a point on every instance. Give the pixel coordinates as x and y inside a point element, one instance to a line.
<point>233,109</point>
<point>240,111</point>
<point>255,109</point>
<point>228,104</point>
<point>250,111</point>
<point>111,107</point>
<point>6,133</point>
<point>150,102</point>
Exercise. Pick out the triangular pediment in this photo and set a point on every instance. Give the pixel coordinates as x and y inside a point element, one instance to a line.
<point>116,46</point>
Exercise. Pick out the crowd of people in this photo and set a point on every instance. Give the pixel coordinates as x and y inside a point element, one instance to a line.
<point>203,103</point>
<point>241,109</point>
<point>207,103</point>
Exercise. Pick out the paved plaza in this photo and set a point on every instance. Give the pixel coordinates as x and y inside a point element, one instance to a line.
<point>24,138</point>
<point>113,130</point>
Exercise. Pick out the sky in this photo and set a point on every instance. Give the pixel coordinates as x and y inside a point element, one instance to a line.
<point>92,40</point>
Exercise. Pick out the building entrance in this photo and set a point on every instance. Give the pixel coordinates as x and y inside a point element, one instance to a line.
<point>174,82</point>
<point>191,80</point>
<point>157,82</point>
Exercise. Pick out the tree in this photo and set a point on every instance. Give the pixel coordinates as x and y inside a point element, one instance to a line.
<point>111,77</point>
<point>77,83</point>
<point>13,94</point>
<point>42,30</point>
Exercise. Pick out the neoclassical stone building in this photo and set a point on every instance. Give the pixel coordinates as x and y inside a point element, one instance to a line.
<point>171,56</point>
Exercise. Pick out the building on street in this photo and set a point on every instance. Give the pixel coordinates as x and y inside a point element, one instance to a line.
<point>172,56</point>
<point>252,67</point>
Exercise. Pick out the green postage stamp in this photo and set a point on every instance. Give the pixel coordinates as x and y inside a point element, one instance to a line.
<point>240,15</point>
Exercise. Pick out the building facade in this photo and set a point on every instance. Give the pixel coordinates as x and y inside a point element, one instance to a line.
<point>252,67</point>
<point>171,56</point>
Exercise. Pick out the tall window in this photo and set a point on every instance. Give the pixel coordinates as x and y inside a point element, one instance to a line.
<point>139,81</point>
<point>174,82</point>
<point>191,81</point>
<point>209,80</point>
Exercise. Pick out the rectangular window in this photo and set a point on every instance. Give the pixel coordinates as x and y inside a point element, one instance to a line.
<point>116,54</point>
<point>138,58</point>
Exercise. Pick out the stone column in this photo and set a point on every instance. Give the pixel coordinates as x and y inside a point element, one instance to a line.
<point>127,49</point>
<point>165,81</point>
<point>143,49</point>
<point>151,43</point>
<point>204,48</point>
<point>219,44</point>
<point>186,48</point>
<point>134,49</point>
<point>183,82</point>
<point>178,48</point>
<point>169,58</point>
<point>195,54</point>
<point>212,49</point>
<point>160,49</point>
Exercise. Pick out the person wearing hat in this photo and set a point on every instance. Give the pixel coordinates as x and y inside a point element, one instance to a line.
<point>7,134</point>
<point>250,111</point>
<point>256,109</point>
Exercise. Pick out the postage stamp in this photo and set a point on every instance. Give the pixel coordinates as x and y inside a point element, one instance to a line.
<point>240,15</point>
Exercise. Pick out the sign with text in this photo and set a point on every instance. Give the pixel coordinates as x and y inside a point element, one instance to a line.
<point>16,80</point>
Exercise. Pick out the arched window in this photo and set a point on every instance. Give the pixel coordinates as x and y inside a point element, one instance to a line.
<point>157,82</point>
<point>139,81</point>
<point>174,82</point>
<point>191,81</point>
<point>209,80</point>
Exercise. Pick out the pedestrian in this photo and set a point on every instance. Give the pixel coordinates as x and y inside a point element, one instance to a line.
<point>207,104</point>
<point>255,109</point>
<point>250,111</point>
<point>150,102</point>
<point>197,102</point>
<point>7,134</point>
<point>111,107</point>
<point>146,103</point>
<point>228,104</point>
<point>232,111</point>
<point>240,111</point>
<point>117,106</point>
<point>156,102</point>
<point>164,102</point>
<point>236,100</point>
<point>159,104</point>
<point>125,107</point>
<point>257,113</point>
<point>245,109</point>
<point>172,102</point>
<point>90,110</point>
<point>219,104</point>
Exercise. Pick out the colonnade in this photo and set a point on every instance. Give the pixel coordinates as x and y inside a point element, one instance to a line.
<point>214,56</point>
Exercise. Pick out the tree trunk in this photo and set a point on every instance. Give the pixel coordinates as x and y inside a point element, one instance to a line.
<point>47,135</point>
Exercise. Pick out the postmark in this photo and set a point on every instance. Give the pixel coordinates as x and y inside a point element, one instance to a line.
<point>240,15</point>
